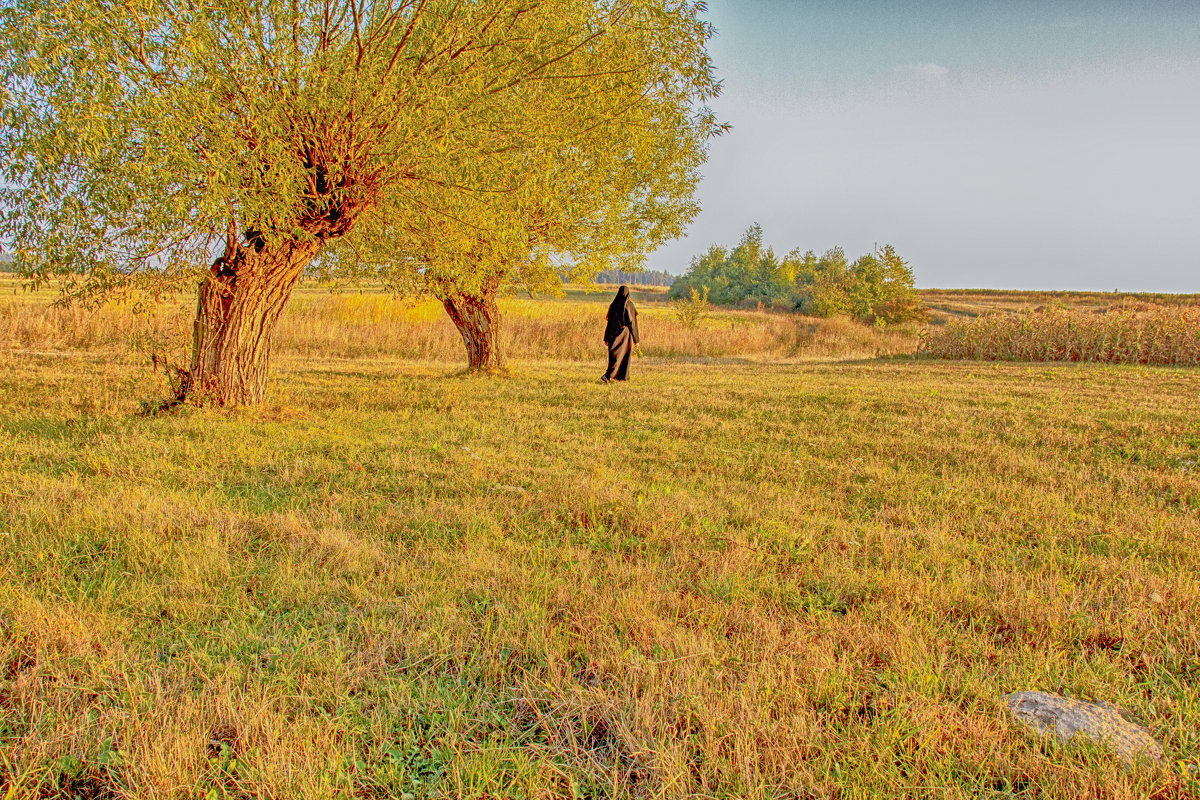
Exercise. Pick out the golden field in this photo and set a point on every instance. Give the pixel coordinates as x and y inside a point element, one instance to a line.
<point>369,323</point>
<point>785,560</point>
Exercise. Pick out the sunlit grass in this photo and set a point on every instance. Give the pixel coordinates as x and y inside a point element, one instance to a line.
<point>368,322</point>
<point>1147,334</point>
<point>724,579</point>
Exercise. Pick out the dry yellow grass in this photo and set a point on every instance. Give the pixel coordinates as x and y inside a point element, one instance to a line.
<point>370,323</point>
<point>727,579</point>
<point>950,304</point>
<point>1128,334</point>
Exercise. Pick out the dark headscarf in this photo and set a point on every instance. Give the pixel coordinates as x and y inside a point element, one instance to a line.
<point>616,309</point>
<point>620,313</point>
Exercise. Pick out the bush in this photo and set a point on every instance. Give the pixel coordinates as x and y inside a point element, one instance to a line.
<point>694,310</point>
<point>877,288</point>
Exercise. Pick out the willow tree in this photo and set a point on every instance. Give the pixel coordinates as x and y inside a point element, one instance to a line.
<point>239,140</point>
<point>638,191</point>
<point>616,179</point>
<point>643,166</point>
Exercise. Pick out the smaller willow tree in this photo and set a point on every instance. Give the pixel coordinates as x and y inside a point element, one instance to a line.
<point>621,183</point>
<point>239,140</point>
<point>637,191</point>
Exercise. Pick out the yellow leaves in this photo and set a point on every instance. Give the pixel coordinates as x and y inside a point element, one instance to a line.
<point>99,465</point>
<point>472,137</point>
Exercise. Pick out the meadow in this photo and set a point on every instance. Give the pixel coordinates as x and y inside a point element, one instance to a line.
<point>786,560</point>
<point>946,305</point>
<point>367,322</point>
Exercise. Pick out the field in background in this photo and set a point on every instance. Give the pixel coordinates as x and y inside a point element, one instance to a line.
<point>1149,335</point>
<point>1097,327</point>
<point>358,322</point>
<point>366,322</point>
<point>736,576</point>
<point>957,304</point>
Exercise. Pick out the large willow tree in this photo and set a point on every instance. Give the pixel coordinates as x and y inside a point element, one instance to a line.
<point>241,139</point>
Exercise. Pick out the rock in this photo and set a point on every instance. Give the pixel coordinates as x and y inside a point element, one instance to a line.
<point>1102,723</point>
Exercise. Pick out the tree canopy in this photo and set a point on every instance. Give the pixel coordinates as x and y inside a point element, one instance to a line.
<point>651,277</point>
<point>454,134</point>
<point>877,287</point>
<point>618,185</point>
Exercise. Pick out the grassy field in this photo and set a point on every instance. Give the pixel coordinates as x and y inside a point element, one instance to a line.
<point>744,574</point>
<point>1152,335</point>
<point>369,323</point>
<point>947,305</point>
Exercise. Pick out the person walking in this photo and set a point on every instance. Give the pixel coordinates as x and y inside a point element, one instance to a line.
<point>620,334</point>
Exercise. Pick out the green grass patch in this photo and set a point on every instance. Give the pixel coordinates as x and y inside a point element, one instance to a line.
<point>719,580</point>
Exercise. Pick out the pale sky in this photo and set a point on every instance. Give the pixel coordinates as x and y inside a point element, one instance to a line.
<point>1004,143</point>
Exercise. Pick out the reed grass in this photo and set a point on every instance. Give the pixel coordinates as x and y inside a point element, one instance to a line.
<point>371,323</point>
<point>1132,333</point>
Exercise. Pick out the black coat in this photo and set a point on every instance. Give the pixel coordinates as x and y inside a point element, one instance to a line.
<point>620,334</point>
<point>621,314</point>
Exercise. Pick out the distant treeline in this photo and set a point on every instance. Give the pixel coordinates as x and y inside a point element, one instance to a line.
<point>8,263</point>
<point>876,288</point>
<point>641,278</point>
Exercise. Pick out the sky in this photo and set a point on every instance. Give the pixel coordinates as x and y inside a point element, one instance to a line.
<point>996,144</point>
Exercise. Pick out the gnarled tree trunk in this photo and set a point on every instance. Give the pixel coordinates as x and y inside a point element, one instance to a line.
<point>478,320</point>
<point>239,304</point>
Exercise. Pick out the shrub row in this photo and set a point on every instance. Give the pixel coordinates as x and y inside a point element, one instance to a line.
<point>876,288</point>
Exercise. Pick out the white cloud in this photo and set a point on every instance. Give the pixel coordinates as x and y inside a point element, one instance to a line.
<point>927,70</point>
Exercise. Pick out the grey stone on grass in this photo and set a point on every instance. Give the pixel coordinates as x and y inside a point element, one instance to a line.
<point>1101,723</point>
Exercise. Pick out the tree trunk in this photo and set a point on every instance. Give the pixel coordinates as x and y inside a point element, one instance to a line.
<point>478,320</point>
<point>239,303</point>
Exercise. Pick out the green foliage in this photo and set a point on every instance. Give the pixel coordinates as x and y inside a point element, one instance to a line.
<point>820,578</point>
<point>463,140</point>
<point>749,274</point>
<point>876,288</point>
<point>694,310</point>
<point>641,277</point>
